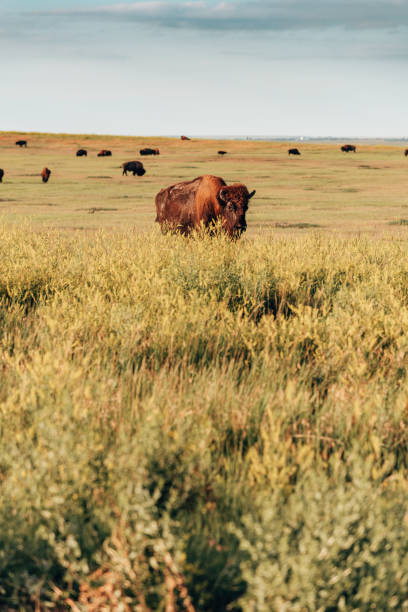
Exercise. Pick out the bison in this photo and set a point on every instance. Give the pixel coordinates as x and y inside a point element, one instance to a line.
<point>82,153</point>
<point>184,138</point>
<point>348,148</point>
<point>133,166</point>
<point>222,152</point>
<point>104,153</point>
<point>21,143</point>
<point>1,175</point>
<point>202,201</point>
<point>149,151</point>
<point>45,175</point>
<point>406,152</point>
<point>293,152</point>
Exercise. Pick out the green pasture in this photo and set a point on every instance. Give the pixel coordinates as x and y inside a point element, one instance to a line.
<point>323,189</point>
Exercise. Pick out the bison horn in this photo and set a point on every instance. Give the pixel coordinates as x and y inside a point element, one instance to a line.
<point>251,194</point>
<point>221,195</point>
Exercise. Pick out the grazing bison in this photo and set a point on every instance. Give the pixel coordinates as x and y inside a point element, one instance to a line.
<point>82,153</point>
<point>184,138</point>
<point>185,206</point>
<point>222,152</point>
<point>104,153</point>
<point>133,166</point>
<point>348,148</point>
<point>149,152</point>
<point>406,152</point>
<point>293,152</point>
<point>45,175</point>
<point>21,143</point>
<point>1,175</point>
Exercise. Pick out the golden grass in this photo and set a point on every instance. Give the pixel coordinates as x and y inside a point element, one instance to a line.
<point>202,424</point>
<point>198,423</point>
<point>324,188</point>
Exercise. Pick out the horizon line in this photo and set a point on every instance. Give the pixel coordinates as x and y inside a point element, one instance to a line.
<point>273,137</point>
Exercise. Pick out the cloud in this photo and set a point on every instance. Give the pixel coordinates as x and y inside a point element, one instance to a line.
<point>273,15</point>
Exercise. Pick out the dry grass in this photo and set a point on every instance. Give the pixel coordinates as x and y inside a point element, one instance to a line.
<point>347,193</point>
<point>202,424</point>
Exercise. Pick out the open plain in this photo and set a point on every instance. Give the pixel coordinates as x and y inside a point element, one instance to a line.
<point>200,424</point>
<point>323,189</point>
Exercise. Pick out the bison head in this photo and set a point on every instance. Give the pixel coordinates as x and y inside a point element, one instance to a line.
<point>234,204</point>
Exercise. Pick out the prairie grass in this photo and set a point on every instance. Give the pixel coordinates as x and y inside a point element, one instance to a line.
<point>200,424</point>
<point>323,189</point>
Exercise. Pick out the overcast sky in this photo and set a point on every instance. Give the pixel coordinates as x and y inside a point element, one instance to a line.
<point>205,67</point>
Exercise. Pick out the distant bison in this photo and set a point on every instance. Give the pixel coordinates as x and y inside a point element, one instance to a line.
<point>104,153</point>
<point>406,152</point>
<point>1,175</point>
<point>149,152</point>
<point>82,153</point>
<point>293,152</point>
<point>222,152</point>
<point>45,175</point>
<point>348,148</point>
<point>185,206</point>
<point>133,166</point>
<point>184,138</point>
<point>21,143</point>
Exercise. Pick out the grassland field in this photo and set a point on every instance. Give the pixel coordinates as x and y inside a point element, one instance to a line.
<point>200,424</point>
<point>323,189</point>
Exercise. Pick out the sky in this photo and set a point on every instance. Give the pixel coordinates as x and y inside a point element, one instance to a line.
<point>309,68</point>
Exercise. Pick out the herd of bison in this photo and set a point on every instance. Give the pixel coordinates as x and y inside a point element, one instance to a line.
<point>189,204</point>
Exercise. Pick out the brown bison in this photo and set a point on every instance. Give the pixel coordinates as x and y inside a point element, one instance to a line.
<point>185,206</point>
<point>104,153</point>
<point>133,166</point>
<point>293,152</point>
<point>21,143</point>
<point>184,138</point>
<point>406,152</point>
<point>82,153</point>
<point>1,175</point>
<point>222,152</point>
<point>348,148</point>
<point>149,152</point>
<point>45,175</point>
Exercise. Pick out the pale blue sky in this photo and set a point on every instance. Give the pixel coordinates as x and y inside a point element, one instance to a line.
<point>233,67</point>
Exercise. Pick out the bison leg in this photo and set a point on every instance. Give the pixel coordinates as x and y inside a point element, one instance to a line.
<point>165,226</point>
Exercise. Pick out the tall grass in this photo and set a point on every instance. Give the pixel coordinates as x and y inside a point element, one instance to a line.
<point>202,424</point>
